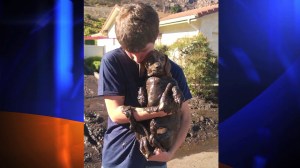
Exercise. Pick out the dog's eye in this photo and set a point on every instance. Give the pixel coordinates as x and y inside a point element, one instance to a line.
<point>149,63</point>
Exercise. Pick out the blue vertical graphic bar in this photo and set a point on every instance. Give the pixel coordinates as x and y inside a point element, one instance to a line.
<point>63,51</point>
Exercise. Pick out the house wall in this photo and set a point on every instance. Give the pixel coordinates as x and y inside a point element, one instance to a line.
<point>111,42</point>
<point>208,25</point>
<point>111,33</point>
<point>108,44</point>
<point>210,28</point>
<point>92,50</point>
<point>171,33</point>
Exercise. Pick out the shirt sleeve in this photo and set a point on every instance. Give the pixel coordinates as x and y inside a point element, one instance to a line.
<point>179,76</point>
<point>110,78</point>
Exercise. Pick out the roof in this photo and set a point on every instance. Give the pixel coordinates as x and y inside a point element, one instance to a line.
<point>195,12</point>
<point>110,19</point>
<point>186,15</point>
<point>94,37</point>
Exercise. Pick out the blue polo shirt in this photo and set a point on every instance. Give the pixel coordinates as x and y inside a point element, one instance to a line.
<point>119,76</point>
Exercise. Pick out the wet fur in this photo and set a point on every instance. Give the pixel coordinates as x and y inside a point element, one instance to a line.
<point>163,130</point>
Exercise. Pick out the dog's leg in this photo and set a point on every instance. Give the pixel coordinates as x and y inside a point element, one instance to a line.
<point>144,147</point>
<point>152,138</point>
<point>163,103</point>
<point>135,126</point>
<point>177,95</point>
<point>142,96</point>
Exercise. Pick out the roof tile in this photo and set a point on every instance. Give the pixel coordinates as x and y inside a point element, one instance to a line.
<point>197,12</point>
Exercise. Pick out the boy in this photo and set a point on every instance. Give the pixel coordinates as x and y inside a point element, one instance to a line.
<point>137,27</point>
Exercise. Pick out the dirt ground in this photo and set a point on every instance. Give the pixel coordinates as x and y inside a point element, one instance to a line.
<point>200,148</point>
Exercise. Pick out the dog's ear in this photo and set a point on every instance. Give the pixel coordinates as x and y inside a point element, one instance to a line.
<point>142,65</point>
<point>142,69</point>
<point>167,66</point>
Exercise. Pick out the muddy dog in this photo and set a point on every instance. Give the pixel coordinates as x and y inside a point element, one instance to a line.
<point>160,90</point>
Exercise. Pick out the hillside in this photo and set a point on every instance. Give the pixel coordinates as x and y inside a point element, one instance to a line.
<point>102,8</point>
<point>96,11</point>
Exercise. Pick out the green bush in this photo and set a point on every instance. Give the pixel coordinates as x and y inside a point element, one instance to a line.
<point>176,8</point>
<point>90,42</point>
<point>92,25</point>
<point>96,65</point>
<point>91,65</point>
<point>200,65</point>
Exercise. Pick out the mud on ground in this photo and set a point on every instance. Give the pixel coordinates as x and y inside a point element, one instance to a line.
<point>202,136</point>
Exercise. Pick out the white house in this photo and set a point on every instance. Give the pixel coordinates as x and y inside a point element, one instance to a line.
<point>93,50</point>
<point>172,27</point>
<point>190,23</point>
<point>108,30</point>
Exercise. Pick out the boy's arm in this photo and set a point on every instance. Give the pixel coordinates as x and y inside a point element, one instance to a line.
<point>184,127</point>
<point>117,111</point>
<point>115,106</point>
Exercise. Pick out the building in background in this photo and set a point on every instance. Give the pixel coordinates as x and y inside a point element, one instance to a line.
<point>172,27</point>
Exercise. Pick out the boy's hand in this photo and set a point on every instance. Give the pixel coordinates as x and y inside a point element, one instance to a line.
<point>161,156</point>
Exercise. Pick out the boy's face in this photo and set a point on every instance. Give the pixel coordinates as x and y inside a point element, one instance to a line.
<point>138,57</point>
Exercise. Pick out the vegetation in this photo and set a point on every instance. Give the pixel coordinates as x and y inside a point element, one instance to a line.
<point>176,8</point>
<point>91,65</point>
<point>162,48</point>
<point>200,65</point>
<point>101,2</point>
<point>90,42</point>
<point>92,25</point>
